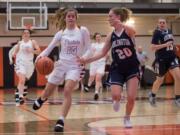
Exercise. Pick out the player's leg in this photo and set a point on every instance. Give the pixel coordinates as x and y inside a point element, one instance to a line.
<point>21,83</point>
<point>176,75</point>
<point>90,81</point>
<point>92,73</point>
<point>160,69</point>
<point>71,81</point>
<point>54,79</point>
<point>98,85</point>
<point>49,89</point>
<point>132,86</point>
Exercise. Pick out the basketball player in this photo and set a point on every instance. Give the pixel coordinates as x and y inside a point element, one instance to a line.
<point>97,68</point>
<point>125,65</point>
<point>12,62</point>
<point>165,60</point>
<point>74,42</point>
<point>24,67</point>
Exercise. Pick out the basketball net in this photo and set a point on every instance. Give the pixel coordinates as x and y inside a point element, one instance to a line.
<point>28,27</point>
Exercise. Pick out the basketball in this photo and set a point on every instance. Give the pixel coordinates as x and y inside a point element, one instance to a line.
<point>44,65</point>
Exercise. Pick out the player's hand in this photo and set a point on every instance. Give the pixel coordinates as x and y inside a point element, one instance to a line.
<point>37,58</point>
<point>81,60</point>
<point>169,43</point>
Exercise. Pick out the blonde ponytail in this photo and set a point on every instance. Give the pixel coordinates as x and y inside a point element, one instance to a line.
<point>124,13</point>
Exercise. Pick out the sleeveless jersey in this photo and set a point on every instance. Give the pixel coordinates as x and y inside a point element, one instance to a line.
<point>71,44</point>
<point>96,48</point>
<point>161,37</point>
<point>23,53</point>
<point>123,51</point>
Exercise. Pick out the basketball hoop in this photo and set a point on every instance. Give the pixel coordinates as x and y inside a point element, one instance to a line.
<point>29,27</point>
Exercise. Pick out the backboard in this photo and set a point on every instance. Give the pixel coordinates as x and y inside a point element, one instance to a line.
<point>20,16</point>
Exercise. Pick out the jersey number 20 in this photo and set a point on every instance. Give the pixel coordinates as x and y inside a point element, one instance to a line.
<point>124,53</point>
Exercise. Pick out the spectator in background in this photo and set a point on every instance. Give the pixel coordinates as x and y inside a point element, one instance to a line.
<point>143,58</point>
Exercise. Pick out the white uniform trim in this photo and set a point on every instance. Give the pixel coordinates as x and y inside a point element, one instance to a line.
<point>59,125</point>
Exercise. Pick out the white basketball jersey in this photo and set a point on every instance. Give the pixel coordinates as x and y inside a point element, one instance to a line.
<point>23,53</point>
<point>71,44</point>
<point>97,47</point>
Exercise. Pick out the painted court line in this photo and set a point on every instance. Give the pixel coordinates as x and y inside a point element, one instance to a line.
<point>96,130</point>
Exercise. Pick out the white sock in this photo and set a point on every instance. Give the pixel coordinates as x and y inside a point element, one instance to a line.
<point>20,95</point>
<point>20,90</point>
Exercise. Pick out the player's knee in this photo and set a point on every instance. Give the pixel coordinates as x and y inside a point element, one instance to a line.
<point>159,80</point>
<point>116,97</point>
<point>22,81</point>
<point>131,99</point>
<point>176,75</point>
<point>67,93</point>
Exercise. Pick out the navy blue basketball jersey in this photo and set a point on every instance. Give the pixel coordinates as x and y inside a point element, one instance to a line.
<point>123,51</point>
<point>161,37</point>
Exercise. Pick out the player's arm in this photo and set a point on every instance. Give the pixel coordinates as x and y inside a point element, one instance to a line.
<point>99,55</point>
<point>10,54</point>
<point>16,50</point>
<point>37,49</point>
<point>155,42</point>
<point>129,30</point>
<point>87,42</point>
<point>108,57</point>
<point>51,46</point>
<point>155,47</point>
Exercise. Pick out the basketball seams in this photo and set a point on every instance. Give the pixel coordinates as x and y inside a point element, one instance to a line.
<point>44,66</point>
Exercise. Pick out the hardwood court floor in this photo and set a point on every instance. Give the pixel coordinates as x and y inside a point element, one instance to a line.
<point>89,117</point>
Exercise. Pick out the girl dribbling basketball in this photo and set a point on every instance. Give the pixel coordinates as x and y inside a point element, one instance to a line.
<point>74,41</point>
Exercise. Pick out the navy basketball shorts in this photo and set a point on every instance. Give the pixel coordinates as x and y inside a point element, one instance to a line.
<point>119,77</point>
<point>162,66</point>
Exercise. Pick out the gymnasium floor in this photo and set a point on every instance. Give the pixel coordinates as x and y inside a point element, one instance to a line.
<point>89,117</point>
